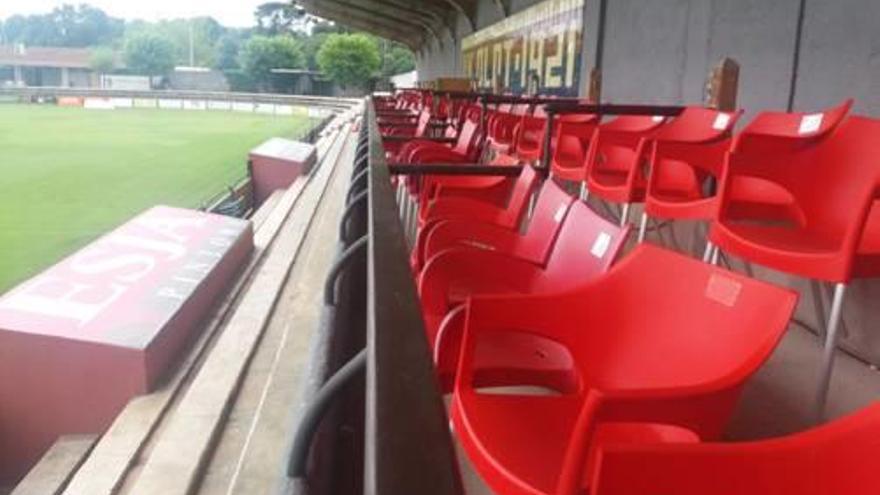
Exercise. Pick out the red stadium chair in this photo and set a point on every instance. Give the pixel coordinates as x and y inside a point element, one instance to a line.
<point>615,146</point>
<point>534,245</point>
<point>686,158</point>
<point>585,248</point>
<point>529,143</point>
<point>477,206</point>
<point>465,149</point>
<point>571,143</point>
<point>502,126</point>
<point>838,458</point>
<point>807,210</point>
<point>624,179</point>
<point>660,338</point>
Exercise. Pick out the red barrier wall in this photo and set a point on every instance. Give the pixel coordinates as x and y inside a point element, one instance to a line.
<point>276,163</point>
<point>78,341</point>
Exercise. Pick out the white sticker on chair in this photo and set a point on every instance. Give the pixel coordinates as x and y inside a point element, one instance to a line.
<point>560,213</point>
<point>721,122</point>
<point>810,123</point>
<point>723,289</point>
<point>601,245</point>
<point>657,118</point>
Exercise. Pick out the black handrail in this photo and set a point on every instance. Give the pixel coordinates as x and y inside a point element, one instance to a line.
<point>454,169</point>
<point>408,446</point>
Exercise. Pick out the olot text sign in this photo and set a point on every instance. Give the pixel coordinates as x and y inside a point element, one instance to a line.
<point>537,49</point>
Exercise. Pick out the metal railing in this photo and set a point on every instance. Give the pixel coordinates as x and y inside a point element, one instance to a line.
<point>375,422</point>
<point>328,102</point>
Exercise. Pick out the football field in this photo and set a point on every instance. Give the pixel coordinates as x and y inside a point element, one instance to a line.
<point>68,175</point>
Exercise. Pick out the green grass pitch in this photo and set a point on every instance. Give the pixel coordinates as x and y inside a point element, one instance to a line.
<point>67,175</point>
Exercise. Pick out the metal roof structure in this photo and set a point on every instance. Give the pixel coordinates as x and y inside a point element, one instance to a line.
<point>411,22</point>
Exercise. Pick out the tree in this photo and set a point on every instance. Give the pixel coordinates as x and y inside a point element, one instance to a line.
<point>206,33</point>
<point>274,18</point>
<point>67,25</point>
<point>102,60</point>
<point>149,54</point>
<point>398,59</point>
<point>261,54</point>
<point>349,59</point>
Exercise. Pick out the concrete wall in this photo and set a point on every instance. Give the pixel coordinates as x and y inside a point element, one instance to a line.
<point>660,51</point>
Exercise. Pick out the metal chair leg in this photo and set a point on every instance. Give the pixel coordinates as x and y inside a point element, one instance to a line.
<point>707,253</point>
<point>643,227</point>
<point>624,214</point>
<point>715,253</point>
<point>829,351</point>
<point>585,193</point>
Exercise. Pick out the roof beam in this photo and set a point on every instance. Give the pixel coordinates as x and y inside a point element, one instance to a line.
<point>384,13</point>
<point>427,14</point>
<point>370,24</point>
<point>469,16</point>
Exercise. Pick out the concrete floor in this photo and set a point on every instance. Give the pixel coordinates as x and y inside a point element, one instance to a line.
<point>778,399</point>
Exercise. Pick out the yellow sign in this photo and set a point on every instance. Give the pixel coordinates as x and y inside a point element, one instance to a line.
<point>535,50</point>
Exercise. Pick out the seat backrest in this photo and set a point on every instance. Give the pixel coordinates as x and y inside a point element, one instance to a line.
<point>572,142</point>
<point>530,136</point>
<point>551,208</point>
<point>586,246</point>
<point>835,183</point>
<point>520,109</point>
<point>422,126</point>
<point>633,123</point>
<point>836,458</point>
<point>699,125</point>
<point>661,320</point>
<point>786,126</point>
<point>468,136</point>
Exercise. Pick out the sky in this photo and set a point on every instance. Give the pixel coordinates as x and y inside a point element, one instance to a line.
<point>233,13</point>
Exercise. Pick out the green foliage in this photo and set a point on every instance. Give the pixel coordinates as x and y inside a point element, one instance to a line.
<point>103,60</point>
<point>67,25</point>
<point>261,54</point>
<point>350,59</point>
<point>149,54</point>
<point>206,33</point>
<point>398,59</point>
<point>274,18</point>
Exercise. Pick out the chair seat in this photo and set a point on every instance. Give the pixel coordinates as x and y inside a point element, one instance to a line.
<point>791,250</point>
<point>532,452</point>
<point>680,205</point>
<point>506,358</point>
<point>610,184</point>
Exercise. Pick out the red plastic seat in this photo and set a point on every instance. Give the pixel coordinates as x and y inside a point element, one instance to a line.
<point>839,458</point>
<point>659,338</point>
<point>807,209</point>
<point>529,143</point>
<point>616,145</point>
<point>624,180</point>
<point>392,134</point>
<point>534,244</point>
<point>502,125</point>
<point>585,247</point>
<point>570,146</point>
<point>477,206</point>
<point>464,150</point>
<point>686,160</point>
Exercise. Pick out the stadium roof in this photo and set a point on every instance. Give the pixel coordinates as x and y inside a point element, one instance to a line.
<point>41,56</point>
<point>411,22</point>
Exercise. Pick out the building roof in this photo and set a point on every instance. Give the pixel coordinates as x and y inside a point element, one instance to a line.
<point>411,22</point>
<point>44,56</point>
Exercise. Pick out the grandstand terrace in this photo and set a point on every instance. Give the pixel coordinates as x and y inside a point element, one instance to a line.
<point>610,247</point>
